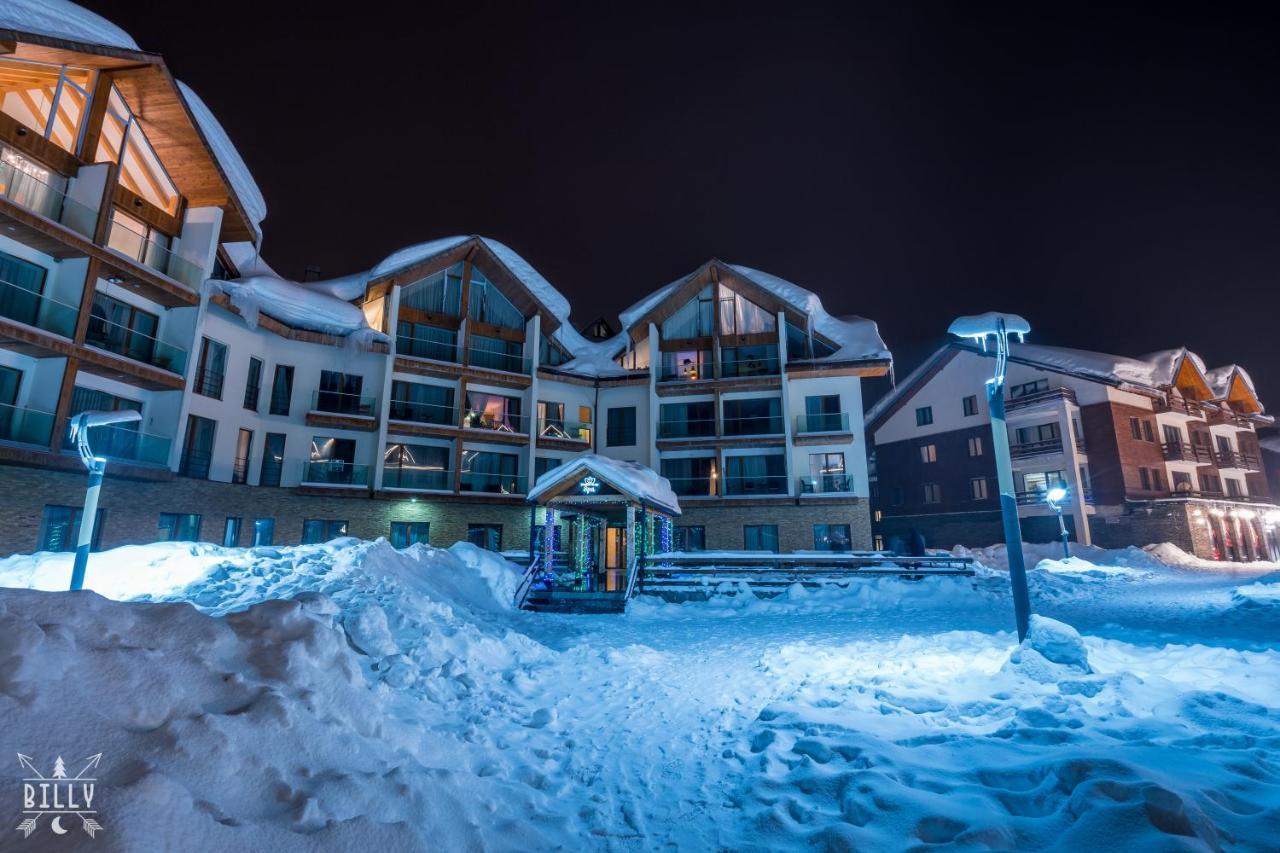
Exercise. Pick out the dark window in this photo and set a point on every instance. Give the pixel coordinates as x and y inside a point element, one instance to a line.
<point>179,526</point>
<point>1157,479</point>
<point>422,341</point>
<point>971,405</point>
<point>760,416</point>
<point>340,393</point>
<point>21,284</point>
<point>822,414</point>
<point>760,537</point>
<point>281,390</point>
<point>487,471</point>
<point>896,496</point>
<point>690,477</point>
<point>932,493</point>
<point>272,459</point>
<point>120,328</point>
<point>543,464</point>
<point>1172,435</point>
<point>924,415</point>
<point>253,384</point>
<point>197,448</point>
<point>1026,389</point>
<point>426,404</point>
<point>620,430</point>
<point>756,474</point>
<point>416,466</point>
<point>1145,479</point>
<point>684,420</point>
<point>231,532</point>
<point>264,531</point>
<point>244,446</point>
<point>1147,433</point>
<point>1135,428</point>
<point>318,530</point>
<point>211,369</point>
<point>406,533</point>
<point>690,538</point>
<point>1233,487</point>
<point>487,536</point>
<point>60,528</point>
<point>832,537</point>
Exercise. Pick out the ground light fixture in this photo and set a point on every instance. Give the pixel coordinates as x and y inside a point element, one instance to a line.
<point>1054,498</point>
<point>993,329</point>
<point>78,432</point>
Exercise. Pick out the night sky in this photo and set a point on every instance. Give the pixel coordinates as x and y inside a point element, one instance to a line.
<point>1115,177</point>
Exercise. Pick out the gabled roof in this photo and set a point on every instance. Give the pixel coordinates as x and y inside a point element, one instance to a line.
<point>628,478</point>
<point>1232,384</point>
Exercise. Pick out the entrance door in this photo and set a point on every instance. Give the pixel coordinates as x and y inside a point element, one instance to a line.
<point>615,557</point>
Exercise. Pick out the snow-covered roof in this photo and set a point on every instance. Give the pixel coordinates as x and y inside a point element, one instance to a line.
<point>1220,379</point>
<point>60,19</point>
<point>630,478</point>
<point>233,166</point>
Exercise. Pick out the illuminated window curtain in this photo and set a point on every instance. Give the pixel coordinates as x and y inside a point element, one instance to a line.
<point>496,354</point>
<point>440,293</point>
<point>693,319</point>
<point>489,305</point>
<point>741,316</point>
<point>492,411</point>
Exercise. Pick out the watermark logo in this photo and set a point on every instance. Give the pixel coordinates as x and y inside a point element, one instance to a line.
<point>59,795</point>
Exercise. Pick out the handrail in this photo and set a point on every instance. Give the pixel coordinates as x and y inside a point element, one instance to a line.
<point>633,574</point>
<point>526,582</point>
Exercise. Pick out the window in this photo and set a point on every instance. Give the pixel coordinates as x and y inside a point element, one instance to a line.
<point>1182,482</point>
<point>685,420</point>
<point>620,429</point>
<point>1026,389</point>
<point>488,304</point>
<point>123,141</point>
<point>231,532</point>
<point>1144,479</point>
<point>763,474</point>
<point>197,447</point>
<point>1208,483</point>
<point>406,533</point>
<point>318,530</point>
<point>264,532</point>
<point>762,416</point>
<point>179,527</point>
<point>924,415</point>
<point>487,536</point>
<point>749,360</point>
<point>831,537</point>
<point>421,340</point>
<point>60,528</point>
<point>426,404</point>
<point>826,472</point>
<point>20,298</point>
<point>978,488</point>
<point>896,497</point>
<point>741,316</point>
<point>493,411</point>
<point>970,405</point>
<point>760,537</point>
<point>340,393</point>
<point>932,493</point>
<point>1042,481</point>
<point>1172,435</point>
<point>416,466</point>
<point>281,390</point>
<point>333,461</point>
<point>877,542</point>
<point>690,476</point>
<point>272,459</point>
<point>822,414</point>
<point>1157,479</point>
<point>49,99</point>
<point>543,464</point>
<point>1039,434</point>
<point>975,445</point>
<point>240,467</point>
<point>211,369</point>
<point>686,365</point>
<point>253,384</point>
<point>1135,428</point>
<point>490,472</point>
<point>690,538</point>
<point>121,328</point>
<point>928,453</point>
<point>1234,489</point>
<point>1147,433</point>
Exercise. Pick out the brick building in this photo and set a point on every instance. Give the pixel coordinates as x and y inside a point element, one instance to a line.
<point>1150,449</point>
<point>418,400</point>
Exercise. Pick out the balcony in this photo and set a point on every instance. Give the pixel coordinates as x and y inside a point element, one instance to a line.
<point>135,345</point>
<point>33,193</point>
<point>342,403</point>
<point>826,484</point>
<point>687,428</point>
<point>334,472</point>
<point>488,358</point>
<point>126,445</point>
<point>1035,448</point>
<point>1180,405</point>
<point>194,464</point>
<point>240,470</point>
<point>1036,497</point>
<point>25,426</point>
<point>1049,395</point>
<point>775,484</point>
<point>252,390</point>
<point>754,425</point>
<point>427,348</point>
<point>417,479</point>
<point>422,413</point>
<point>1184,452</point>
<point>563,431</point>
<point>1219,496</point>
<point>496,422</point>
<point>693,487</point>
<point>492,484</point>
<point>139,247</point>
<point>208,383</point>
<point>836,422</point>
<point>35,309</point>
<point>1236,459</point>
<point>762,365</point>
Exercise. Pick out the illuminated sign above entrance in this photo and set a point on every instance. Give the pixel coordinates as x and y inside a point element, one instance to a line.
<point>589,485</point>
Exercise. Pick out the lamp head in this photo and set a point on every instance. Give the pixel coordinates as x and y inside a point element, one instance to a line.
<point>1055,495</point>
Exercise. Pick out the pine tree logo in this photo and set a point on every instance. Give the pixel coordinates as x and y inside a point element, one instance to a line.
<point>59,795</point>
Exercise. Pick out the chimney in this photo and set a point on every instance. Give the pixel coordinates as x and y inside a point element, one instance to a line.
<point>311,273</point>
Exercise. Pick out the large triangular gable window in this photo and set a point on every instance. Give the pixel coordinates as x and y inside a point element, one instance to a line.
<point>741,316</point>
<point>52,100</point>
<point>141,172</point>
<point>490,305</point>
<point>694,319</point>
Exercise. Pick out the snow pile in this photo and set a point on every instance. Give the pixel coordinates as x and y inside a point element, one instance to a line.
<point>980,326</point>
<point>1265,592</point>
<point>233,165</point>
<point>64,20</point>
<point>297,305</point>
<point>1050,646</point>
<point>630,478</point>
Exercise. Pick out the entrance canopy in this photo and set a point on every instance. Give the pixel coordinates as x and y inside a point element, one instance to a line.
<point>593,479</point>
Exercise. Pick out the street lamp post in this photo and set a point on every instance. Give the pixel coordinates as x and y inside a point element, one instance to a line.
<point>998,327</point>
<point>1054,498</point>
<point>78,430</point>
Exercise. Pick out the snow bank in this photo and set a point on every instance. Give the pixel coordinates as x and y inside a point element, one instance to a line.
<point>61,19</point>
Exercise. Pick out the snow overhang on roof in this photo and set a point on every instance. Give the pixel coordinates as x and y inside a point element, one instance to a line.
<point>631,479</point>
<point>62,20</point>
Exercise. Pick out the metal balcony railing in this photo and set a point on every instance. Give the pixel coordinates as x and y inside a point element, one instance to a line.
<point>25,306</point>
<point>1037,397</point>
<point>342,403</point>
<point>1035,448</point>
<point>208,383</point>
<point>1036,496</point>
<point>194,464</point>
<point>824,422</point>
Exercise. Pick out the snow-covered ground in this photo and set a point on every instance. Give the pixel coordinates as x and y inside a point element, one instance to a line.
<point>349,696</point>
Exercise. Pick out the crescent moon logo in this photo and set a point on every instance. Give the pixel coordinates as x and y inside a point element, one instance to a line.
<point>56,826</point>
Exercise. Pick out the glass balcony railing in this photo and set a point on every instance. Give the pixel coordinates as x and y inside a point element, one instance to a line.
<point>422,413</point>
<point>693,487</point>
<point>824,484</point>
<point>136,345</point>
<point>334,472</point>
<point>128,445</point>
<point>754,425</point>
<point>687,428</point>
<point>496,484</point>
<point>763,365</point>
<point>21,305</point>
<point>492,359</point>
<point>497,422</point>
<point>426,348</point>
<point>32,192</point>
<point>427,479</point>
<point>25,426</point>
<point>564,430</point>
<point>133,244</point>
<point>769,484</point>
<point>341,403</point>
<point>823,422</point>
